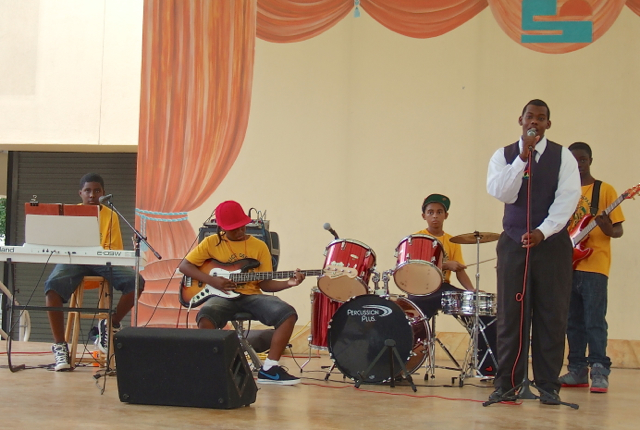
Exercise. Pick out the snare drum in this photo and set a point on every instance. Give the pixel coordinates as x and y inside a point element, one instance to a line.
<point>419,264</point>
<point>463,303</point>
<point>347,269</point>
<point>359,329</point>
<point>322,310</point>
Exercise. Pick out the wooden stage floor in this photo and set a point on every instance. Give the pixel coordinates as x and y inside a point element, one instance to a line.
<point>40,398</point>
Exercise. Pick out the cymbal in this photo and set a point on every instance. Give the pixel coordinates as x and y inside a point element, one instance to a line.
<point>471,238</point>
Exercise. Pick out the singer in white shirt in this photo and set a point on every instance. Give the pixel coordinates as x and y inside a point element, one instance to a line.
<point>502,184</point>
<point>539,183</point>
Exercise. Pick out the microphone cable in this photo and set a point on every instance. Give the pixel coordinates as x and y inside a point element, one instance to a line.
<point>520,297</point>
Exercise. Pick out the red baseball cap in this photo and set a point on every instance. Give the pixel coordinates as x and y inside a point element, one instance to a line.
<point>229,215</point>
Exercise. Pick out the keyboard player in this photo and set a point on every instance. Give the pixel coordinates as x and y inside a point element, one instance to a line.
<point>65,278</point>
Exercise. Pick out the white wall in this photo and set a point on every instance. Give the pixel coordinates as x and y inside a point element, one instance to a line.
<point>71,72</point>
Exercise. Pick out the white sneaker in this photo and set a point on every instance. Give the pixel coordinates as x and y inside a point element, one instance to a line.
<point>61,353</point>
<point>103,335</point>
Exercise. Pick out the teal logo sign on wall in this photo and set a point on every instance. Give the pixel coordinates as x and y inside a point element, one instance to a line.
<point>550,22</point>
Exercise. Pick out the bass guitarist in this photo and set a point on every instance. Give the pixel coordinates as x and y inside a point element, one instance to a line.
<point>587,324</point>
<point>228,246</point>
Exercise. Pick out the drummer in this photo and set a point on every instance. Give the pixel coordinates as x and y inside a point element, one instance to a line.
<point>435,210</point>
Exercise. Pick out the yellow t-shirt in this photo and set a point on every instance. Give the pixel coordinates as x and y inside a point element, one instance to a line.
<point>110,235</point>
<point>229,252</point>
<point>600,260</point>
<point>452,250</point>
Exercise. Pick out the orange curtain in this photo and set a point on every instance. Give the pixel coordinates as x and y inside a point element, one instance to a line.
<point>508,14</point>
<point>422,19</point>
<point>197,70</point>
<point>296,20</point>
<point>634,5</point>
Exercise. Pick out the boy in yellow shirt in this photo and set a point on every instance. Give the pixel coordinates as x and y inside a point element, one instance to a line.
<point>587,324</point>
<point>230,245</point>
<point>435,210</point>
<point>65,278</point>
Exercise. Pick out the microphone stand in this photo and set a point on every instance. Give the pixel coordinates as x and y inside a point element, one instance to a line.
<point>138,238</point>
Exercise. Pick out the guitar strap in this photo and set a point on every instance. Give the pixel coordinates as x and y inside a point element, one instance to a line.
<point>595,197</point>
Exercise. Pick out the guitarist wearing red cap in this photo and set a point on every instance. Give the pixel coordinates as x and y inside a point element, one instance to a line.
<point>232,244</point>
<point>587,324</point>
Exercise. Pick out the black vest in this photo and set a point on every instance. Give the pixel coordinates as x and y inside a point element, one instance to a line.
<point>545,174</point>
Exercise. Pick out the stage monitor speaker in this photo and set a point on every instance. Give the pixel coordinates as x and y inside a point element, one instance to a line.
<point>183,367</point>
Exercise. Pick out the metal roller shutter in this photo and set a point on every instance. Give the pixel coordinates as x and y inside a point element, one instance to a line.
<point>54,178</point>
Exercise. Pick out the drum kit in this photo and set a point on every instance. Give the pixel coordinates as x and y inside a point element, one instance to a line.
<point>373,336</point>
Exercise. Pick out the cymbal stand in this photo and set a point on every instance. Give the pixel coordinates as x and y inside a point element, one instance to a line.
<point>470,365</point>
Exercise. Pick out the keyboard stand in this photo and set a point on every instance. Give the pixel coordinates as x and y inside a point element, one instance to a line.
<point>13,306</point>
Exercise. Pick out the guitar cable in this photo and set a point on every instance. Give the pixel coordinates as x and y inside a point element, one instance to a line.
<point>171,279</point>
<point>14,301</point>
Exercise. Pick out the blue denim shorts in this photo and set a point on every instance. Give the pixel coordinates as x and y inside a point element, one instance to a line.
<point>65,278</point>
<point>269,310</point>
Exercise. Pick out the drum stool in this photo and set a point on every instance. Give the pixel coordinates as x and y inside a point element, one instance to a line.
<point>238,324</point>
<point>72,330</point>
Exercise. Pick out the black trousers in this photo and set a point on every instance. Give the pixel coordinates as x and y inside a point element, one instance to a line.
<point>549,284</point>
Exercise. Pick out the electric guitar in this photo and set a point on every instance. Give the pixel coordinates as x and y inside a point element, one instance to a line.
<point>588,223</point>
<point>194,293</point>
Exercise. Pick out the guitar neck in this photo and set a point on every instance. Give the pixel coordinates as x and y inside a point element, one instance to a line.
<point>585,232</point>
<point>242,278</point>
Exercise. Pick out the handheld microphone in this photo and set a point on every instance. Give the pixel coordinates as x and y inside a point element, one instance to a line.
<point>531,132</point>
<point>106,198</point>
<point>327,227</point>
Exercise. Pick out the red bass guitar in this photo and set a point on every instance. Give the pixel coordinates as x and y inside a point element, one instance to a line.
<point>588,223</point>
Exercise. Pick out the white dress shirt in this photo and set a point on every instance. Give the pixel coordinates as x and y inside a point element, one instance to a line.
<point>504,181</point>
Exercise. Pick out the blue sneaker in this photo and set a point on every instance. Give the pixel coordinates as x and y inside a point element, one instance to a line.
<point>276,375</point>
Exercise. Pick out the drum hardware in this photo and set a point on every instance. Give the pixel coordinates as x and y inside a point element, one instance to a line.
<point>376,283</point>
<point>433,339</point>
<point>384,291</point>
<point>470,364</point>
<point>467,323</point>
<point>390,348</point>
<point>322,310</point>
